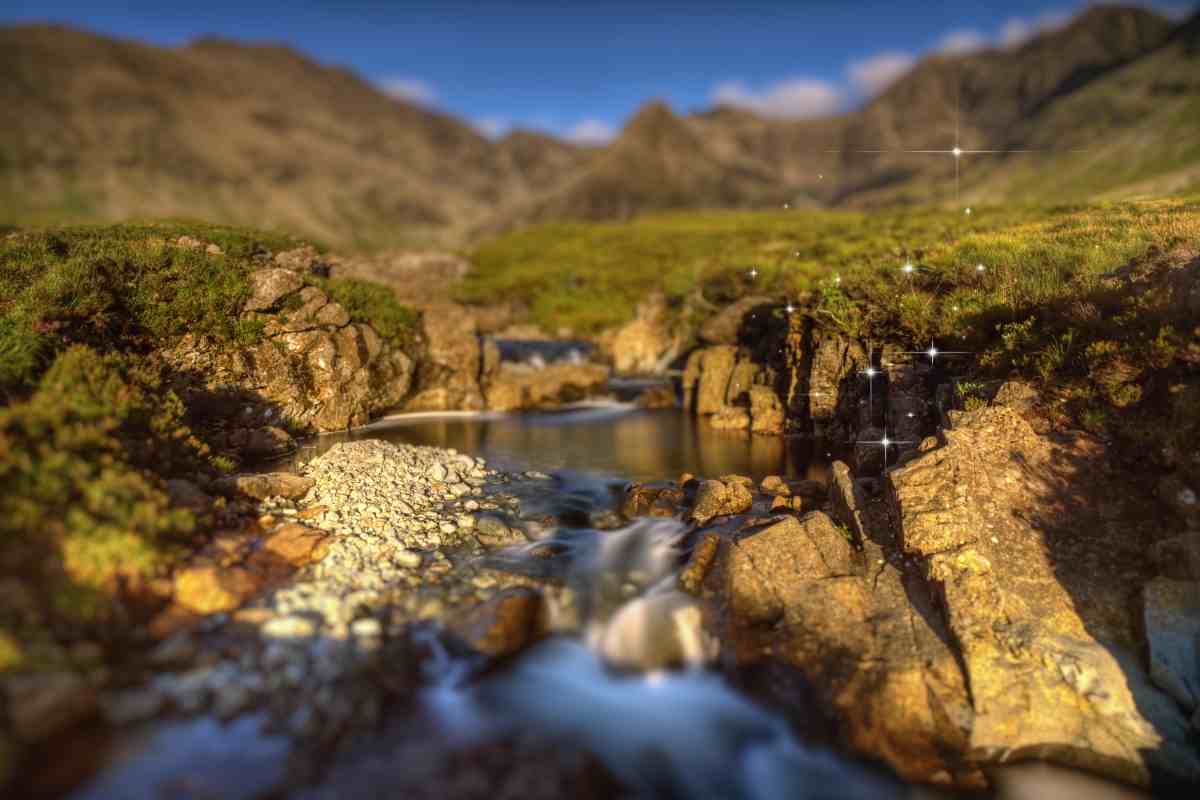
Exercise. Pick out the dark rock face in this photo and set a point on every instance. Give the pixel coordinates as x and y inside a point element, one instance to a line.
<point>314,367</point>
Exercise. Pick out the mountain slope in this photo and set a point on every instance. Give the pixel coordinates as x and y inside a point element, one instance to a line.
<point>254,134</point>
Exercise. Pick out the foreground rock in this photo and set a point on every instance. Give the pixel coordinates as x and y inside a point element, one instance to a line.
<point>1032,547</point>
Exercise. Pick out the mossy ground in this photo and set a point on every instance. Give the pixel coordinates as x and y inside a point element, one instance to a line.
<point>91,426</point>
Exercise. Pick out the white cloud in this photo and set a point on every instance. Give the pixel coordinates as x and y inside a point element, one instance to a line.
<point>794,97</point>
<point>493,127</point>
<point>590,131</point>
<point>413,90</point>
<point>1017,31</point>
<point>966,40</point>
<point>872,75</point>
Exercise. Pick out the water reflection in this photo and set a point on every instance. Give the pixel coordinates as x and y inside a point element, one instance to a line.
<point>618,441</point>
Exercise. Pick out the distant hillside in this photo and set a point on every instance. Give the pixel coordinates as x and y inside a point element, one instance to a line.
<point>261,135</point>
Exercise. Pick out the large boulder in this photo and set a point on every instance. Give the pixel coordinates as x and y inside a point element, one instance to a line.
<point>645,344</point>
<point>796,598</point>
<point>314,367</point>
<point>1032,548</point>
<point>835,387</point>
<point>706,378</point>
<point>448,378</point>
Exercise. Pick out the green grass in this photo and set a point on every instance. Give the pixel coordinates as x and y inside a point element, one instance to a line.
<point>377,306</point>
<point>588,277</point>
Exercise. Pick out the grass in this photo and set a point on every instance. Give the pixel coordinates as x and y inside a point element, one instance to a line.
<point>1044,305</point>
<point>91,426</point>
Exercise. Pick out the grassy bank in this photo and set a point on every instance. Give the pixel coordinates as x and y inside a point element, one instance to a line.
<point>91,425</point>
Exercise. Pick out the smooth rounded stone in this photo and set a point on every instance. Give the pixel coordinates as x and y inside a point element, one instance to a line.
<point>290,627</point>
<point>465,522</point>
<point>406,559</point>
<point>437,473</point>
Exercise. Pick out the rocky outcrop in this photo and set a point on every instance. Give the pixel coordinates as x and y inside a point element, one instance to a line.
<point>645,344</point>
<point>726,385</point>
<point>518,387</point>
<point>451,368</point>
<point>314,368</point>
<point>724,326</point>
<point>1028,545</point>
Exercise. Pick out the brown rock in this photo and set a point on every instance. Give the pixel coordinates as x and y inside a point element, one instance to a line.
<point>302,259</point>
<point>644,345</point>
<point>1017,395</point>
<point>638,500</point>
<point>715,498</point>
<point>517,387</point>
<point>766,411</point>
<point>657,397</point>
<point>269,286</point>
<point>296,544</point>
<point>506,623</point>
<point>691,577</point>
<point>268,442</point>
<point>706,378</point>
<point>209,589</point>
<point>1017,535</point>
<point>774,484</point>
<point>448,378</point>
<point>847,503</point>
<point>722,328</point>
<point>730,418</point>
<point>834,387</point>
<point>267,484</point>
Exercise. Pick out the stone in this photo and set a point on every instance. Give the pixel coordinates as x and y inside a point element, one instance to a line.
<point>774,484</point>
<point>268,484</point>
<point>706,378</point>
<point>303,259</point>
<point>268,287</point>
<point>267,442</point>
<point>644,345</point>
<point>289,627</point>
<point>657,397</point>
<point>296,544</point>
<point>448,377</point>
<point>519,387</point>
<point>1027,541</point>
<point>700,560</point>
<point>209,589</point>
<point>42,704</point>
<point>871,458</point>
<point>834,388</point>
<point>491,531</point>
<point>730,418</point>
<point>506,623</point>
<point>766,410</point>
<point>715,498</point>
<point>847,503</point>
<point>1171,613</point>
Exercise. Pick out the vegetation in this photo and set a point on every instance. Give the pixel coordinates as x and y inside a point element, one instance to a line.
<point>376,305</point>
<point>1077,298</point>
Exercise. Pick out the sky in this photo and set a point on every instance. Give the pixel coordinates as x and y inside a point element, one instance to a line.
<point>581,69</point>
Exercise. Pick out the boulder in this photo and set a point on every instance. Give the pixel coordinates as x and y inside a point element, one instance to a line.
<point>1027,543</point>
<point>448,378</point>
<point>644,345</point>
<point>210,588</point>
<point>766,410</point>
<point>504,624</point>
<point>263,485</point>
<point>834,386</point>
<point>268,288</point>
<point>294,544</point>
<point>717,498</point>
<point>706,378</point>
<point>517,387</point>
<point>847,503</point>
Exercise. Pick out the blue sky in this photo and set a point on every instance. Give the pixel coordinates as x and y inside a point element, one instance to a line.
<point>580,69</point>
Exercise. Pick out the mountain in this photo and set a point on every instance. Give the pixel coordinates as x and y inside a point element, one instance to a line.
<point>255,134</point>
<point>262,135</point>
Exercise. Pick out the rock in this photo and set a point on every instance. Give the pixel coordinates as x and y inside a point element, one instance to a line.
<point>296,545</point>
<point>1017,395</point>
<point>795,599</point>
<point>208,589</point>
<point>492,532</point>
<point>265,443</point>
<point>722,328</point>
<point>691,577</point>
<point>291,627</point>
<point>263,485</point>
<point>1026,542</point>
<point>518,387</point>
<point>657,397</point>
<point>644,345</point>
<point>745,375</point>
<point>766,411</point>
<point>774,484</point>
<point>706,378</point>
<point>782,503</point>
<point>1179,556</point>
<point>847,503</point>
<point>871,458</point>
<point>303,259</point>
<point>834,386</point>
<point>766,567</point>
<point>269,286</point>
<point>185,494</point>
<point>1171,610</point>
<point>42,704</point>
<point>730,418</point>
<point>715,498</point>
<point>448,378</point>
<point>506,623</point>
